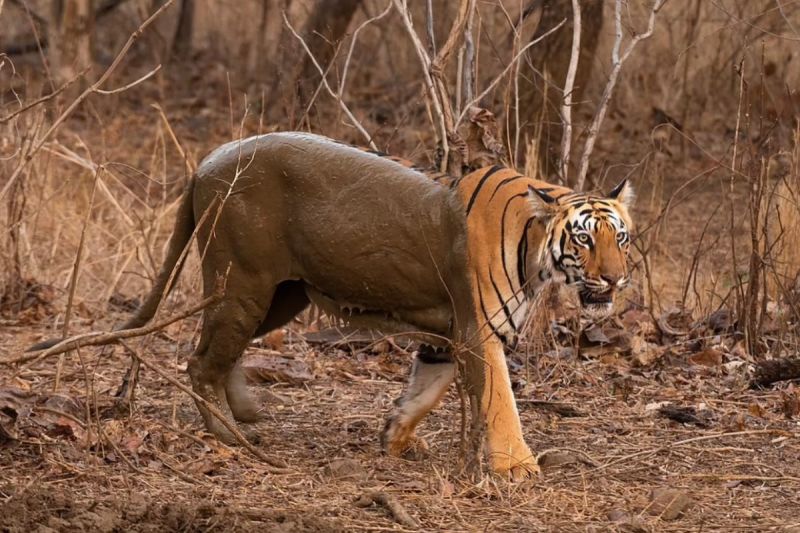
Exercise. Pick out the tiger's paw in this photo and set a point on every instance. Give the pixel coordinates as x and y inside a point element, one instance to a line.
<point>400,441</point>
<point>515,467</point>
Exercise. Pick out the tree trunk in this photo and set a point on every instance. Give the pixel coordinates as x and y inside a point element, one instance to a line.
<point>182,44</point>
<point>70,38</point>
<point>551,59</point>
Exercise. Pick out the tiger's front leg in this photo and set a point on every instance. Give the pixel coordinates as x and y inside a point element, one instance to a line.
<point>489,384</point>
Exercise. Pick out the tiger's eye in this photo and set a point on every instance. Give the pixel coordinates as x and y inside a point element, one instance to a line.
<point>583,238</point>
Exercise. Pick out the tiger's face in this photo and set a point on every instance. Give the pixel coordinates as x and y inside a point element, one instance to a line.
<point>588,243</point>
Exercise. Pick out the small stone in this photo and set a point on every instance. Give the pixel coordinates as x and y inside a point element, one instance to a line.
<point>553,459</point>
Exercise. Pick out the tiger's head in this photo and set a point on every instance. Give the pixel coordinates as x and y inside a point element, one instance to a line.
<point>587,243</point>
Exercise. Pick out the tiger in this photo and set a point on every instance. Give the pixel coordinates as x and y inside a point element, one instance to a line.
<point>292,218</point>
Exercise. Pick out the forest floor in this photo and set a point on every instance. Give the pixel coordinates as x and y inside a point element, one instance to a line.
<point>638,429</point>
<point>614,455</point>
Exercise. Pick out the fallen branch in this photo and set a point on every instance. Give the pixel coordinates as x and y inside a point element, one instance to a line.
<point>559,408</point>
<point>276,466</point>
<point>768,372</point>
<point>97,338</point>
<point>388,501</point>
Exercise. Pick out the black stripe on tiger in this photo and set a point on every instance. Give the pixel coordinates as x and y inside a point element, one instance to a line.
<point>503,242</point>
<point>506,182</point>
<point>503,302</point>
<point>487,318</point>
<point>522,253</point>
<point>478,188</point>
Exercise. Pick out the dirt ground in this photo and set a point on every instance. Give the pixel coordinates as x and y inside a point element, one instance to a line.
<point>611,458</point>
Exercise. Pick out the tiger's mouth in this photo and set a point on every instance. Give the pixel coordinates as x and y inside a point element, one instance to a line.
<point>594,298</point>
<point>596,305</point>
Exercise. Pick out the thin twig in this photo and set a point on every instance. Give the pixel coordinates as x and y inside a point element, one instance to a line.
<point>500,76</point>
<point>99,338</point>
<point>44,98</point>
<point>276,466</point>
<point>131,84</point>
<point>336,96</point>
<point>73,282</point>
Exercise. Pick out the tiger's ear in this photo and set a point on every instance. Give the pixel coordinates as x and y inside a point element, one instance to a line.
<point>623,193</point>
<point>544,205</point>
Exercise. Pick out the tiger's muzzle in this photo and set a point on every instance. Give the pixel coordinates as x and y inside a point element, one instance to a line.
<point>597,296</point>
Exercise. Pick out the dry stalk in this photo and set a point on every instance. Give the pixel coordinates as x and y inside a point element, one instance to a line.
<point>504,72</point>
<point>44,98</point>
<point>440,106</point>
<point>617,60</point>
<point>93,88</point>
<point>737,289</point>
<point>73,282</point>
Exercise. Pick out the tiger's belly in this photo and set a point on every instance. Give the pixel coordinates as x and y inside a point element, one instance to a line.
<point>432,322</point>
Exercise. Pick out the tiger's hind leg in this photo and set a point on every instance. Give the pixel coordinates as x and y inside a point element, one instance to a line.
<point>431,375</point>
<point>227,329</point>
<point>289,300</point>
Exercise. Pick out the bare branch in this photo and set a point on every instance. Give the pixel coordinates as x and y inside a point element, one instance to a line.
<point>131,84</point>
<point>569,85</point>
<point>335,95</point>
<point>276,466</point>
<point>425,62</point>
<point>617,61</point>
<point>500,76</point>
<point>99,338</point>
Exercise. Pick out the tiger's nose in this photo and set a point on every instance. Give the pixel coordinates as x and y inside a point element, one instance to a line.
<point>612,280</point>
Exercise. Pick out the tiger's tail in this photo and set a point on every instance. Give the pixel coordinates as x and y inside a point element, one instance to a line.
<point>170,269</point>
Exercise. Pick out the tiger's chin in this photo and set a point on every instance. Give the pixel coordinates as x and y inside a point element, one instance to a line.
<point>596,305</point>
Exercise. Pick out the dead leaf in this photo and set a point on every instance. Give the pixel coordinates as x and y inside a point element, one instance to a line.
<point>260,368</point>
<point>626,522</point>
<point>684,415</point>
<point>668,503</point>
<point>345,469</point>
<point>13,404</point>
<point>790,403</point>
<point>708,357</point>
<point>594,334</point>
<point>645,353</point>
<point>274,339</point>
<point>756,410</point>
<point>675,322</point>
<point>482,142</point>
